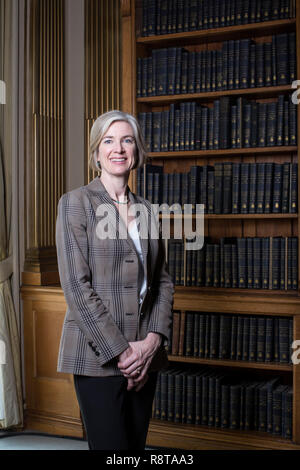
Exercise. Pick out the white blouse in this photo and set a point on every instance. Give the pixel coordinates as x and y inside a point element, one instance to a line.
<point>134,235</point>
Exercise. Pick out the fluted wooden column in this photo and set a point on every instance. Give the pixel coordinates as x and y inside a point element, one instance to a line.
<point>102,63</point>
<point>44,173</point>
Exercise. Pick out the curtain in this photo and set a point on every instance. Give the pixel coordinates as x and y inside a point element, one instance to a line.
<point>11,403</point>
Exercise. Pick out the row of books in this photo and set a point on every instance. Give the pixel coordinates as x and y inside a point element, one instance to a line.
<point>225,188</point>
<point>239,64</point>
<point>234,337</point>
<point>203,396</point>
<point>229,123</point>
<point>247,262</point>
<point>176,16</point>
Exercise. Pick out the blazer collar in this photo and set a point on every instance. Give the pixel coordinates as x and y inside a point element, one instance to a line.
<point>100,194</point>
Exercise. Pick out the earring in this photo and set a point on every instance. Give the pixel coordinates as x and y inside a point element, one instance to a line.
<point>98,165</point>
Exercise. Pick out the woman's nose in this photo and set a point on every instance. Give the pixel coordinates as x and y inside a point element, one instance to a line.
<point>119,146</point>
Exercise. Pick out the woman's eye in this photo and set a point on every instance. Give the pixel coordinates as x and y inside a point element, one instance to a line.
<point>129,141</point>
<point>107,141</point>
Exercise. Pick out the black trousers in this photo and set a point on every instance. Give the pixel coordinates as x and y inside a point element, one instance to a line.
<point>114,418</point>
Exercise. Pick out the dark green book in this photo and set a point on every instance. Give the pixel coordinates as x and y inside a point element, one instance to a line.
<point>268,63</point>
<point>249,406</point>
<point>284,347</point>
<point>228,265</point>
<point>260,188</point>
<point>207,335</point>
<point>262,124</point>
<point>257,263</point>
<point>277,188</point>
<point>246,338</point>
<point>239,338</point>
<point>293,204</point>
<point>214,336</point>
<point>178,398</point>
<point>252,338</point>
<point>234,266</point>
<point>210,191</point>
<point>216,268</point>
<point>218,188</point>
<point>234,406</point>
<point>164,395</point>
<point>247,126</point>
<point>269,339</point>
<point>265,262</point>
<point>211,399</point>
<point>205,389</point>
<point>245,188</point>
<point>209,265</point>
<point>171,395</point>
<point>202,334</point>
<point>275,262</point>
<point>242,262</point>
<point>253,188</point>
<point>225,337</point>
<point>196,327</point>
<point>233,337</point>
<point>287,413</point>
<point>157,130</point>
<point>269,187</point>
<point>276,339</point>
<point>280,119</point>
<point>218,398</point>
<point>283,259</point>
<point>277,409</point>
<point>261,339</point>
<point>250,278</point>
<point>225,398</point>
<point>285,187</point>
<point>190,402</point>
<point>227,185</point>
<point>236,175</point>
<point>271,124</point>
<point>157,399</point>
<point>200,272</point>
<point>198,399</point>
<point>294,263</point>
<point>189,334</point>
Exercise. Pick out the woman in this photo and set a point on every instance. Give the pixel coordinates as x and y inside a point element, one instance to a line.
<point>118,292</point>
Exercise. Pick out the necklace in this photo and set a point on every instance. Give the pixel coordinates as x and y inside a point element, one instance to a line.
<point>120,202</point>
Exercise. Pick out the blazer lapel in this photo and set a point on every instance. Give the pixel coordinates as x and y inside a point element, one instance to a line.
<point>99,195</point>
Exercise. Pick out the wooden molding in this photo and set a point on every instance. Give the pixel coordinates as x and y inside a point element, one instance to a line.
<point>125,8</point>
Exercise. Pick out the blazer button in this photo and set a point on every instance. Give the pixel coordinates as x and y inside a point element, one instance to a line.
<point>97,353</point>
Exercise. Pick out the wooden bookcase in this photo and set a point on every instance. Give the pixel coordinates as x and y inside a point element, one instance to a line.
<point>220,300</point>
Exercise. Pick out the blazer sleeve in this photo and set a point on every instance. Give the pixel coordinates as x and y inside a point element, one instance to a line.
<point>163,291</point>
<point>86,307</point>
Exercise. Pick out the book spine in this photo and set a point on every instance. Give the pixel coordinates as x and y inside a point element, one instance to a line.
<point>257,274</point>
<point>252,338</point>
<point>261,334</point>
<point>277,188</point>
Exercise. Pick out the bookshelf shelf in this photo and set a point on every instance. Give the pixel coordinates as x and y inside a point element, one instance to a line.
<point>229,363</point>
<point>233,216</point>
<point>219,34</point>
<point>225,152</point>
<point>242,302</point>
<point>188,436</point>
<point>262,92</point>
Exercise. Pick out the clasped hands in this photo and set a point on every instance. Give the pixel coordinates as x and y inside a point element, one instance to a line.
<point>136,359</point>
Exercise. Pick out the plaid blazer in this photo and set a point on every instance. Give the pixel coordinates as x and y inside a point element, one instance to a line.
<point>99,278</point>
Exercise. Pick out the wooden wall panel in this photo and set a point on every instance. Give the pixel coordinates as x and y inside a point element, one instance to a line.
<point>51,403</point>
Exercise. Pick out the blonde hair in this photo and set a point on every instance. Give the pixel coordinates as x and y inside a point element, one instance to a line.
<point>99,129</point>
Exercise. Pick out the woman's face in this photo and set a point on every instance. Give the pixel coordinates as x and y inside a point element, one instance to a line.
<point>117,149</point>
